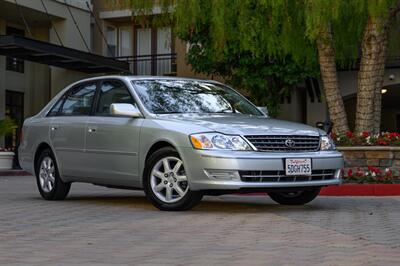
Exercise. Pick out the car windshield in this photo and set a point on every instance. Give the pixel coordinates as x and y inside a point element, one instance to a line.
<point>189,96</point>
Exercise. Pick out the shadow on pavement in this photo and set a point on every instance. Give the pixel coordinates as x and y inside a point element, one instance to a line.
<point>226,204</point>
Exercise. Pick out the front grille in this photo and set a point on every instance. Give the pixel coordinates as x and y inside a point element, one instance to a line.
<point>284,143</point>
<point>279,176</point>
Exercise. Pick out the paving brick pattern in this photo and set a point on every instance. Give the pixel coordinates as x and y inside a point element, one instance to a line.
<point>99,226</point>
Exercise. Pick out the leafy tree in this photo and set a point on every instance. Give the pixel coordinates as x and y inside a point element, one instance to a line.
<point>265,77</point>
<point>265,45</point>
<point>243,42</point>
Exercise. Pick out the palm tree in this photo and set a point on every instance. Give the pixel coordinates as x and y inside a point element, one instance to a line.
<point>327,63</point>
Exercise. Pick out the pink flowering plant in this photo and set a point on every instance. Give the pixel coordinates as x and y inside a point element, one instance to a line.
<point>367,139</point>
<point>371,175</point>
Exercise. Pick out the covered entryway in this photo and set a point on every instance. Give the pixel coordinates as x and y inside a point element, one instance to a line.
<point>391,108</point>
<point>60,56</point>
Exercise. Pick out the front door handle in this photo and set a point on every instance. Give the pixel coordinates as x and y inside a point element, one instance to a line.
<point>92,129</point>
<point>54,128</point>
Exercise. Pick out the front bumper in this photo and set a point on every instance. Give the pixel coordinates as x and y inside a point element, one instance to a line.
<point>200,163</point>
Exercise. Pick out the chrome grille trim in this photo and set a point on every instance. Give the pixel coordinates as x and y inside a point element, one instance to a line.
<point>279,176</point>
<point>276,143</point>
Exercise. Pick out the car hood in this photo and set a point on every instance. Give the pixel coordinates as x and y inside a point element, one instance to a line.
<point>244,124</point>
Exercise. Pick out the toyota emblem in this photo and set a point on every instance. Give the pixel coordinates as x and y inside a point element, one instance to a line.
<point>290,143</point>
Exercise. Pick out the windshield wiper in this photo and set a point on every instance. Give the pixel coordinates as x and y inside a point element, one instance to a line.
<point>164,113</point>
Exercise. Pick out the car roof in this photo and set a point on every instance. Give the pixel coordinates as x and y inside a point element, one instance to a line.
<point>132,77</point>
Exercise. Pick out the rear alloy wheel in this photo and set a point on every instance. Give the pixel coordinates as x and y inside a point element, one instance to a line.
<point>49,183</point>
<point>299,197</point>
<point>166,183</point>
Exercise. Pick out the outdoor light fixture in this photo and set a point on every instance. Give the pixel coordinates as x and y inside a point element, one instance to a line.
<point>383,91</point>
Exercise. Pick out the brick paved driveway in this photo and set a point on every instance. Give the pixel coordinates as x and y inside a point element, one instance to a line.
<point>103,226</point>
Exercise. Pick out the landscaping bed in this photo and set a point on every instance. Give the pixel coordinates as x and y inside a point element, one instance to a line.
<point>370,158</point>
<point>371,165</point>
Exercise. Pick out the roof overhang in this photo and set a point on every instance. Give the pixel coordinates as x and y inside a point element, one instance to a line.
<point>59,56</point>
<point>128,13</point>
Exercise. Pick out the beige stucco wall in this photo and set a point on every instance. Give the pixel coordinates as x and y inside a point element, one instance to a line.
<point>71,38</point>
<point>40,82</point>
<point>60,78</point>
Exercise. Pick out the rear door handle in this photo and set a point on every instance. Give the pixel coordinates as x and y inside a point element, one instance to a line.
<point>54,128</point>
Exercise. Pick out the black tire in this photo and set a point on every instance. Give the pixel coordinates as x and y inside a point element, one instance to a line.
<point>60,189</point>
<point>191,198</point>
<point>296,197</point>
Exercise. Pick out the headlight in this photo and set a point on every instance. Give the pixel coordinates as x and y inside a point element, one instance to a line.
<point>217,141</point>
<point>327,144</point>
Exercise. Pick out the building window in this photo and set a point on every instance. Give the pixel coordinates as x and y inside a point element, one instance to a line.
<point>112,41</point>
<point>15,111</point>
<point>15,64</point>
<point>125,44</point>
<point>154,54</point>
<point>92,48</point>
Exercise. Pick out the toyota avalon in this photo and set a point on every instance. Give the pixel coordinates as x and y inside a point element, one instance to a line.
<point>177,139</point>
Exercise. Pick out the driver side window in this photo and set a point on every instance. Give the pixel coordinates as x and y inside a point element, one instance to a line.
<point>112,92</point>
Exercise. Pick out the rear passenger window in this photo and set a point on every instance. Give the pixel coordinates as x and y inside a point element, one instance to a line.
<point>112,92</point>
<point>79,101</point>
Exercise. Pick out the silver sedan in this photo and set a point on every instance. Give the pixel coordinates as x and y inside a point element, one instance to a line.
<point>177,139</point>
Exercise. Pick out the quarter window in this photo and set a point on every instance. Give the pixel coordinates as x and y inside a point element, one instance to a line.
<point>112,92</point>
<point>56,108</point>
<point>79,101</point>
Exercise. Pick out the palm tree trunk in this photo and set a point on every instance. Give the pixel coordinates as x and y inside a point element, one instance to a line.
<point>334,100</point>
<point>370,75</point>
<point>378,95</point>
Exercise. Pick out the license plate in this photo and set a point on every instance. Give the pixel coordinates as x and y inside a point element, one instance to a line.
<point>298,166</point>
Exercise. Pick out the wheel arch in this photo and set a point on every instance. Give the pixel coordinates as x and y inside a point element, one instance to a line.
<point>40,148</point>
<point>153,148</point>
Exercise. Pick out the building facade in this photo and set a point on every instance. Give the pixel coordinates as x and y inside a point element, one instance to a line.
<point>95,27</point>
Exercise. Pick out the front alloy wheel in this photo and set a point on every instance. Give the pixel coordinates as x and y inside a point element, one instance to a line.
<point>168,180</point>
<point>166,183</point>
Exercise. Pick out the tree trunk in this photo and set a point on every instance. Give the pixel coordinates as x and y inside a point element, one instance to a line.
<point>334,100</point>
<point>370,75</point>
<point>379,84</point>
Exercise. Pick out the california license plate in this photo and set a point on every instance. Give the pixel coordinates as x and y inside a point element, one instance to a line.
<point>298,166</point>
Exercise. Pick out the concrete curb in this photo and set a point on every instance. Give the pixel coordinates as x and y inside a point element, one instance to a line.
<point>14,173</point>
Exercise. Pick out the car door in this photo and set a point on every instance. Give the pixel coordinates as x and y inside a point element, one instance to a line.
<point>112,142</point>
<point>68,128</point>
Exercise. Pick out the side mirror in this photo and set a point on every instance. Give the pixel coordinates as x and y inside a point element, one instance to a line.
<point>124,109</point>
<point>263,110</point>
